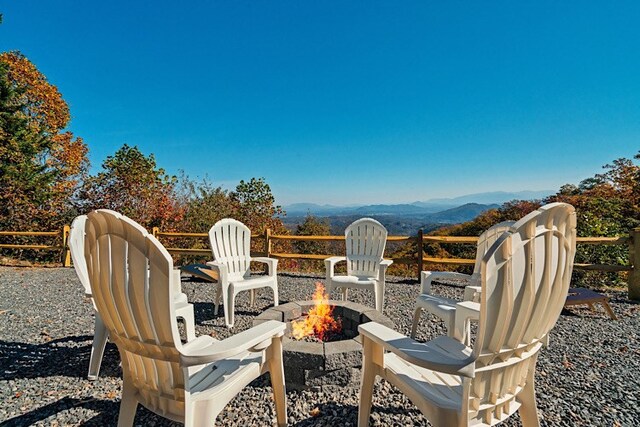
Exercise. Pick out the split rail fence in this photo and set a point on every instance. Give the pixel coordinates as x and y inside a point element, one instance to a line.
<point>632,241</point>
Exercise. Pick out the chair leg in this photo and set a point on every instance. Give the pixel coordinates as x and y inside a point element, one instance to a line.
<point>379,296</point>
<point>232,306</point>
<point>328,287</point>
<point>100,336</point>
<point>276,371</point>
<point>367,380</point>
<point>128,405</point>
<point>416,321</point>
<point>528,409</point>
<point>345,293</point>
<point>252,298</point>
<point>276,296</point>
<point>218,297</point>
<point>228,311</point>
<point>609,310</point>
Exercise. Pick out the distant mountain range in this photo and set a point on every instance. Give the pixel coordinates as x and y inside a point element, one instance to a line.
<point>426,207</point>
<point>408,218</point>
<point>499,197</point>
<point>401,222</point>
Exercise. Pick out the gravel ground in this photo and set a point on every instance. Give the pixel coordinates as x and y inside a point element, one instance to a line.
<point>590,375</point>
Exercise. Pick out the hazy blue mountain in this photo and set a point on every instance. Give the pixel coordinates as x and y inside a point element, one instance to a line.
<point>406,221</point>
<point>415,208</point>
<point>490,197</point>
<point>303,208</point>
<point>460,214</point>
<point>390,209</point>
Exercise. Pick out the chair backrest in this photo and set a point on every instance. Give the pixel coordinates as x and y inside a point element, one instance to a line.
<point>76,247</point>
<point>231,245</point>
<point>130,275</point>
<point>525,278</point>
<point>485,240</point>
<point>365,242</point>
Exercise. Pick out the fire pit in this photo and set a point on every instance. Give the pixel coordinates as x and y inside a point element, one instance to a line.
<point>309,362</point>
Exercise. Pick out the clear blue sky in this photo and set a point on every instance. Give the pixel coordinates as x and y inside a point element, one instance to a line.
<point>347,102</point>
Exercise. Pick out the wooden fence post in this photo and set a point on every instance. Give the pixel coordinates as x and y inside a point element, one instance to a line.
<point>634,260</point>
<point>420,243</point>
<point>267,247</point>
<point>267,242</point>
<point>66,255</point>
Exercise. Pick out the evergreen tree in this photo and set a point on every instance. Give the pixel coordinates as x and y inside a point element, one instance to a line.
<point>25,179</point>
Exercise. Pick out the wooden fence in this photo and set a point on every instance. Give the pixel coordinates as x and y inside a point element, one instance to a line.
<point>632,242</point>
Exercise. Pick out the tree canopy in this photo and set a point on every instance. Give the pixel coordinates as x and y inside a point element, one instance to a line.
<point>132,184</point>
<point>42,165</point>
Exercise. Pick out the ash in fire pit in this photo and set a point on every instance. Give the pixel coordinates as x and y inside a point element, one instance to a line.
<point>318,364</point>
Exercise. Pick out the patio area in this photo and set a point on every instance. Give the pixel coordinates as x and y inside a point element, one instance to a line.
<point>589,375</point>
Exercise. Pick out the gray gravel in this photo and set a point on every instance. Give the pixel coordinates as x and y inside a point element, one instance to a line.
<point>590,375</point>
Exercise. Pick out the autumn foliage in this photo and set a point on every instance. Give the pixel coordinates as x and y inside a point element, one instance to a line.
<point>42,164</point>
<point>607,205</point>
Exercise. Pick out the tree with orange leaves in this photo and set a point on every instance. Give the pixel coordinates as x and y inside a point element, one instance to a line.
<point>132,184</point>
<point>47,167</point>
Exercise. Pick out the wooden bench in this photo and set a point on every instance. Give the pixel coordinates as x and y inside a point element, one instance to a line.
<point>582,296</point>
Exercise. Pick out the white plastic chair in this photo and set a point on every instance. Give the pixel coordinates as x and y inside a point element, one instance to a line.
<point>130,274</point>
<point>183,309</point>
<point>443,307</point>
<point>231,245</point>
<point>365,240</point>
<point>525,278</point>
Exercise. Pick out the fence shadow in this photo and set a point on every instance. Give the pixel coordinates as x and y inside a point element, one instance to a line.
<point>67,356</point>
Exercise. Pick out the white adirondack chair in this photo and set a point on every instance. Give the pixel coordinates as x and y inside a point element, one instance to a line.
<point>365,240</point>
<point>524,277</point>
<point>183,309</point>
<point>130,274</point>
<point>231,245</point>
<point>443,307</point>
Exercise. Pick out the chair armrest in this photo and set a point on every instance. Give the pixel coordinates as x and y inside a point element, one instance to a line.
<point>427,277</point>
<point>443,354</point>
<point>255,339</point>
<point>472,293</point>
<point>330,264</point>
<point>272,263</point>
<point>222,270</point>
<point>465,311</point>
<point>384,264</point>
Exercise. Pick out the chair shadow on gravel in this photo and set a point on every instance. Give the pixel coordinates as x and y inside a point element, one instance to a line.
<point>107,412</point>
<point>67,356</point>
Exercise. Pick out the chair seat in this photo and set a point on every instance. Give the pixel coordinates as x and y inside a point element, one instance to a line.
<point>233,373</point>
<point>443,307</point>
<point>252,283</point>
<point>443,390</point>
<point>353,281</point>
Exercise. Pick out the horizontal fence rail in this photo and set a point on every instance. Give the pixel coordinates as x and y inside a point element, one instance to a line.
<point>62,235</point>
<point>632,242</point>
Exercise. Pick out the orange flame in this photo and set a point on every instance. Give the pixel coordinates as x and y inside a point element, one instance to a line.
<point>319,322</point>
